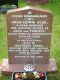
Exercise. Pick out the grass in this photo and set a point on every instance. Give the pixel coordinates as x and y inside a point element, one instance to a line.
<point>54,6</point>
<point>3,37</point>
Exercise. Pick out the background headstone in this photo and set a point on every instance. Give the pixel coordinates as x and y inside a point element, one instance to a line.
<point>12,2</point>
<point>29,35</point>
<point>36,1</point>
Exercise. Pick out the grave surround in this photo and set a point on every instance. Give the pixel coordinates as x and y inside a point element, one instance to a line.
<point>29,39</point>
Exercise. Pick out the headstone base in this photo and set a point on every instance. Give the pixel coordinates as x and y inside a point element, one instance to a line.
<point>7,68</point>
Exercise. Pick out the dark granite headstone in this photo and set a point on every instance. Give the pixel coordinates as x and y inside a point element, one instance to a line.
<point>13,2</point>
<point>29,38</point>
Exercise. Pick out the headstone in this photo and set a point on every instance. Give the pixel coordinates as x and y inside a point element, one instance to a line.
<point>29,38</point>
<point>41,2</point>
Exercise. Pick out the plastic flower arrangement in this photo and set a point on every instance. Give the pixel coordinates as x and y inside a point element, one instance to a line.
<point>30,76</point>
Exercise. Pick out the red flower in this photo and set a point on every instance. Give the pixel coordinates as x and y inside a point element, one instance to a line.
<point>41,74</point>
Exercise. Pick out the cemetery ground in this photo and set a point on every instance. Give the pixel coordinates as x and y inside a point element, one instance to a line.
<point>54,6</point>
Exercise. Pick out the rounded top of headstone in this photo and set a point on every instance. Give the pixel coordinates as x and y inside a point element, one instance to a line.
<point>27,8</point>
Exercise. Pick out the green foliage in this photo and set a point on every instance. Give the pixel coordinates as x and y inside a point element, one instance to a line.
<point>5,77</point>
<point>3,37</point>
<point>21,3</point>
